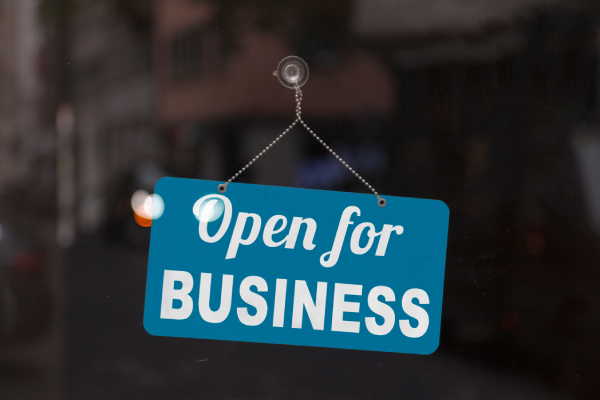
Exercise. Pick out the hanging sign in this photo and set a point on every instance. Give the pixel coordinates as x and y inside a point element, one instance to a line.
<point>295,266</point>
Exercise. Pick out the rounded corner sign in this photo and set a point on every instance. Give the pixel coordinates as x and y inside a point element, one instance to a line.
<point>295,266</point>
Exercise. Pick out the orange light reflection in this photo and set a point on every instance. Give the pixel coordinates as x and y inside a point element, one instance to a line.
<point>141,221</point>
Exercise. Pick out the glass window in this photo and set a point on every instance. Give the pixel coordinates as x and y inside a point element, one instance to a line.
<point>491,107</point>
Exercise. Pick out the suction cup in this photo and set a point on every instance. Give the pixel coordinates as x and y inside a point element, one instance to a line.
<point>292,71</point>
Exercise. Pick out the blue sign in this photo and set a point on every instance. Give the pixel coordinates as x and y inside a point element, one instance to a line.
<point>294,266</point>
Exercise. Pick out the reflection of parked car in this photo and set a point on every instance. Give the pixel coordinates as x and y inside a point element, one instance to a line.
<point>25,304</point>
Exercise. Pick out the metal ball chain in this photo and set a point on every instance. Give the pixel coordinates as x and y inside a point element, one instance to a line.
<point>223,187</point>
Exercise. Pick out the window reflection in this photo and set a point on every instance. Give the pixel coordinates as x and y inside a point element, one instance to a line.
<point>489,106</point>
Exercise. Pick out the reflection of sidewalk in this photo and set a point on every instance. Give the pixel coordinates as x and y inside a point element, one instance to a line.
<point>105,336</point>
<point>109,354</point>
<point>34,369</point>
<point>441,376</point>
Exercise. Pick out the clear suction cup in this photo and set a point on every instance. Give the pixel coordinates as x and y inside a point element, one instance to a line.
<point>292,71</point>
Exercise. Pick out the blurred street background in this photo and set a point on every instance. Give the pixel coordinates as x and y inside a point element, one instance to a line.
<point>491,106</point>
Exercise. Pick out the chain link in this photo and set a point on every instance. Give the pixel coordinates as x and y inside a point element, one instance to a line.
<point>223,187</point>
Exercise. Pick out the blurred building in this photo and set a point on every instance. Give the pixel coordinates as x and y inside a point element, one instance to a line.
<point>220,104</point>
<point>112,93</point>
<point>26,143</point>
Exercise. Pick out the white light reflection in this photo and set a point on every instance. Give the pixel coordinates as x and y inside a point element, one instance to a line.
<point>210,211</point>
<point>154,206</point>
<point>138,199</point>
<point>149,206</point>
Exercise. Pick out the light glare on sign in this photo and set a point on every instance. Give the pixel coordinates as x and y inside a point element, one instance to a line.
<point>208,210</point>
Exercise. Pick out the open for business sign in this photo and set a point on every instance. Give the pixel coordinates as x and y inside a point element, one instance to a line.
<point>295,266</point>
